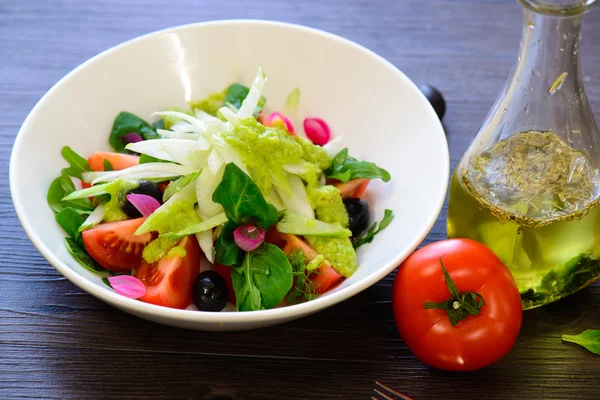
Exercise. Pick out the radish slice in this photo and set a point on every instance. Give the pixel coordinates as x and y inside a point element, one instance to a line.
<point>317,131</point>
<point>145,204</point>
<point>278,117</point>
<point>248,237</point>
<point>128,286</point>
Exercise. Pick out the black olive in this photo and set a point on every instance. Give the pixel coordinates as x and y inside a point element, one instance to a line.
<point>435,99</point>
<point>145,187</point>
<point>209,292</point>
<point>358,212</point>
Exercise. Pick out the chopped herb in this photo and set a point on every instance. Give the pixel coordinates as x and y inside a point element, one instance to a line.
<point>345,168</point>
<point>388,216</point>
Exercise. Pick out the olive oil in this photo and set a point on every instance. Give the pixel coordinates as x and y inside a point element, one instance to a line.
<point>533,200</point>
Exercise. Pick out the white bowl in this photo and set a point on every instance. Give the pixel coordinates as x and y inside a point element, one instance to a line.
<point>382,115</point>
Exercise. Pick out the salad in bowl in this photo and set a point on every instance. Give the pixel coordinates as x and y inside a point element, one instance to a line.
<point>221,206</point>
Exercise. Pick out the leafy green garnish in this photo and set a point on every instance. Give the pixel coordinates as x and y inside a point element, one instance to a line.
<point>235,95</point>
<point>128,123</point>
<point>82,256</point>
<point>179,184</point>
<point>227,251</point>
<point>107,165</point>
<point>304,289</point>
<point>158,124</point>
<point>145,158</point>
<point>590,339</point>
<point>263,279</point>
<point>77,164</point>
<point>70,220</point>
<point>61,187</point>
<point>242,200</point>
<point>345,168</point>
<point>388,216</point>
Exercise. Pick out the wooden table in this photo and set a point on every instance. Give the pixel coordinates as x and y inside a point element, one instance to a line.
<point>61,343</point>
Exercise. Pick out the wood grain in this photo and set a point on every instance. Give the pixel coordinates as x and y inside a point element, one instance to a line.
<point>57,342</point>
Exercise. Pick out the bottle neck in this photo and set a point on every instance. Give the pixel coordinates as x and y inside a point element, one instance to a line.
<point>550,50</point>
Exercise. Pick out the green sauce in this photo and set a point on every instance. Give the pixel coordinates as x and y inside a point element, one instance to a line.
<point>117,191</point>
<point>265,150</point>
<point>210,104</point>
<point>174,217</point>
<point>338,251</point>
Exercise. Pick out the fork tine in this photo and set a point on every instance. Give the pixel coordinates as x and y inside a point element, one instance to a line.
<point>385,396</point>
<point>392,391</point>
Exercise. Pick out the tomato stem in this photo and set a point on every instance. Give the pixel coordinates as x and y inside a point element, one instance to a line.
<point>460,305</point>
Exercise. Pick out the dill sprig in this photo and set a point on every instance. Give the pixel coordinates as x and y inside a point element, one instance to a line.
<point>304,289</point>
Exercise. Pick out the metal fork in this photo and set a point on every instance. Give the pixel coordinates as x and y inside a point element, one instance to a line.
<point>399,396</point>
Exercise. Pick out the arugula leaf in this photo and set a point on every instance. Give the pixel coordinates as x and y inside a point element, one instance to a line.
<point>345,168</point>
<point>242,200</point>
<point>70,220</point>
<point>263,279</point>
<point>59,188</point>
<point>179,184</point>
<point>227,251</point>
<point>82,256</point>
<point>128,123</point>
<point>590,339</point>
<point>107,165</point>
<point>235,95</point>
<point>158,124</point>
<point>388,216</point>
<point>77,164</point>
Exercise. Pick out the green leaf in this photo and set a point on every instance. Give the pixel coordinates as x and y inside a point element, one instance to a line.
<point>345,168</point>
<point>70,220</point>
<point>590,339</point>
<point>77,164</point>
<point>55,195</point>
<point>145,158</point>
<point>388,216</point>
<point>61,187</point>
<point>159,124</point>
<point>82,256</point>
<point>227,251</point>
<point>304,289</point>
<point>128,123</point>
<point>107,165</point>
<point>263,279</point>
<point>235,95</point>
<point>179,184</point>
<point>242,200</point>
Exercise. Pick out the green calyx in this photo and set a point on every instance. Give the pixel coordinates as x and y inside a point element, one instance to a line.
<point>460,305</point>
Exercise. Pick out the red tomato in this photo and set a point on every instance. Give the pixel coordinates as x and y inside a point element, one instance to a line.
<point>325,278</point>
<point>114,245</point>
<point>169,281</point>
<point>117,160</point>
<point>477,340</point>
<point>225,273</point>
<point>354,188</point>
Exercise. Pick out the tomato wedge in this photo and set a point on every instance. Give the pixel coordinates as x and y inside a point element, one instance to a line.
<point>117,160</point>
<point>354,188</point>
<point>325,277</point>
<point>114,245</point>
<point>169,281</point>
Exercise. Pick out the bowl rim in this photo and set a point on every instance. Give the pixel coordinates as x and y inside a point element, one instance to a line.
<point>283,313</point>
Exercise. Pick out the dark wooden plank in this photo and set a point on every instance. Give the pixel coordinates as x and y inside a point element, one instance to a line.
<point>57,342</point>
